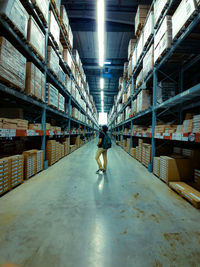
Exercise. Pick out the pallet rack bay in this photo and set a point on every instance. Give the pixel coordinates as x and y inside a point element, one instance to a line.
<point>35,110</point>
<point>178,64</point>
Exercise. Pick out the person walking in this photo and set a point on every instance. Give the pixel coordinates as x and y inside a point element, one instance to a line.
<point>103,145</point>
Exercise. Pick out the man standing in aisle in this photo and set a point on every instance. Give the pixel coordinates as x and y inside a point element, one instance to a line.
<point>103,145</point>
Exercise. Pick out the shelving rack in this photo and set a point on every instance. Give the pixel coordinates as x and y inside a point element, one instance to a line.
<point>167,68</point>
<point>37,111</point>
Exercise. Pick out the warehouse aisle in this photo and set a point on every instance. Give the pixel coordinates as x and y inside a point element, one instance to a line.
<point>69,216</point>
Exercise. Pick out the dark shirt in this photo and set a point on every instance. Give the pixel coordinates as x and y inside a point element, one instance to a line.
<point>101,136</point>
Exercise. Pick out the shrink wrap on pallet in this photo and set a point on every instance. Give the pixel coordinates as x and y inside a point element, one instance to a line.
<point>61,103</point>
<point>35,82</point>
<point>140,17</point>
<point>52,60</point>
<point>36,37</point>
<point>140,46</point>
<point>12,65</point>
<point>148,62</point>
<point>182,14</point>
<point>166,27</point>
<point>43,6</point>
<point>54,28</point>
<point>64,17</point>
<point>149,27</point>
<point>159,7</point>
<point>16,13</point>
<point>52,96</point>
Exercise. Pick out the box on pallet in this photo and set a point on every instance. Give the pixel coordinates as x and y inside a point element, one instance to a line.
<point>182,14</point>
<point>52,96</point>
<point>140,46</point>
<point>148,28</point>
<point>61,102</point>
<point>165,90</point>
<point>61,75</point>
<point>139,79</point>
<point>134,58</point>
<point>35,82</point>
<point>133,152</point>
<point>159,7</point>
<point>156,166</point>
<point>166,26</point>
<point>16,13</point>
<point>54,28</point>
<point>35,126</point>
<point>148,62</point>
<point>10,61</point>
<point>67,57</point>
<point>16,167</point>
<point>131,47</point>
<point>53,60</point>
<point>36,37</point>
<point>43,6</point>
<point>140,17</point>
<point>143,100</point>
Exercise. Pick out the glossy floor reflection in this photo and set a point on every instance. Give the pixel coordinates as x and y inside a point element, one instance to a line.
<point>70,216</point>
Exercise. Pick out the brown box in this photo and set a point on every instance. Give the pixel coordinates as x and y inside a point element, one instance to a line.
<point>124,98</point>
<point>156,166</point>
<point>133,152</point>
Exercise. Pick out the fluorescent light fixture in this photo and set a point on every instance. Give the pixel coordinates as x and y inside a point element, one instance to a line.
<point>102,95</point>
<point>101,30</point>
<point>107,62</point>
<point>102,83</point>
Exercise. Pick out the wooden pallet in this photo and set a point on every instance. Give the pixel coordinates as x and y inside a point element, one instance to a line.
<point>39,12</point>
<point>36,52</point>
<point>161,14</point>
<point>55,8</point>
<point>15,28</point>
<point>54,41</point>
<point>139,30</point>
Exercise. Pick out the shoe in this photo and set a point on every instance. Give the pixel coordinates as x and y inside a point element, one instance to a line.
<point>104,171</point>
<point>98,171</point>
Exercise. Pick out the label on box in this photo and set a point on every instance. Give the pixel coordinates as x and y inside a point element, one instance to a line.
<point>31,133</point>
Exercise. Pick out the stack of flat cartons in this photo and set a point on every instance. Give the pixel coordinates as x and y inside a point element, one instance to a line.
<point>10,61</point>
<point>182,15</point>
<point>159,7</point>
<point>35,82</point>
<point>36,38</point>
<point>52,96</point>
<point>196,124</point>
<point>14,124</point>
<point>30,163</point>
<point>156,166</point>
<point>58,151</point>
<point>16,170</point>
<point>140,149</point>
<point>51,152</point>
<point>62,150</point>
<point>197,176</point>
<point>148,62</point>
<point>187,126</point>
<point>54,28</point>
<point>140,18</point>
<point>133,152</point>
<point>137,153</point>
<point>17,14</point>
<point>66,146</point>
<point>188,192</point>
<point>53,61</point>
<point>163,38</point>
<point>4,176</point>
<point>146,154</point>
<point>175,169</point>
<point>39,160</point>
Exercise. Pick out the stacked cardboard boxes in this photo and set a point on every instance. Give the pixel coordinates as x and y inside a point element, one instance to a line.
<point>4,176</point>
<point>196,124</point>
<point>30,164</point>
<point>146,154</point>
<point>16,169</point>
<point>51,152</point>
<point>140,18</point>
<point>43,6</point>
<point>148,62</point>
<point>14,124</point>
<point>143,100</point>
<point>54,28</point>
<point>53,61</point>
<point>159,7</point>
<point>133,152</point>
<point>52,96</point>
<point>156,166</point>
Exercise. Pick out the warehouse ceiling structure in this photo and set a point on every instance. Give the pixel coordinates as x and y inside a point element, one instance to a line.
<point>119,29</point>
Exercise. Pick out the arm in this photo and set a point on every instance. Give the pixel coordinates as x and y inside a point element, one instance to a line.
<point>99,143</point>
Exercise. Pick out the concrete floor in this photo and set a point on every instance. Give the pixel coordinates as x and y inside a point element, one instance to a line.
<point>69,216</point>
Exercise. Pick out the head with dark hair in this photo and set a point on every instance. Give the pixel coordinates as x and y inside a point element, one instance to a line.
<point>104,128</point>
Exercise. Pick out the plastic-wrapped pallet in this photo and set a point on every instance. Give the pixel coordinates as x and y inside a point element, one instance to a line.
<point>52,96</point>
<point>140,17</point>
<point>182,14</point>
<point>149,28</point>
<point>54,28</point>
<point>52,60</point>
<point>163,39</point>
<point>156,166</point>
<point>16,13</point>
<point>159,7</point>
<point>4,176</point>
<point>36,37</point>
<point>10,61</point>
<point>140,46</point>
<point>61,103</point>
<point>143,100</point>
<point>139,79</point>
<point>131,47</point>
<point>35,82</point>
<point>43,6</point>
<point>148,62</point>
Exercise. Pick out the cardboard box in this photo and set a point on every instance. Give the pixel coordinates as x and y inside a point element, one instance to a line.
<point>64,17</point>
<point>133,152</point>
<point>52,96</point>
<point>10,61</point>
<point>159,7</point>
<point>148,62</point>
<point>54,28</point>
<point>53,60</point>
<point>43,6</point>
<point>140,17</point>
<point>156,166</point>
<point>149,28</point>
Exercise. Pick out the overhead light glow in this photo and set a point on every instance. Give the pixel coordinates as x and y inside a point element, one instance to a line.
<point>102,95</point>
<point>101,30</point>
<point>101,83</point>
<point>107,62</point>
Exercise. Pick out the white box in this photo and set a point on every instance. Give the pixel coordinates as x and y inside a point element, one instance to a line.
<point>140,46</point>
<point>164,44</point>
<point>166,26</point>
<point>159,7</point>
<point>149,27</point>
<point>148,61</point>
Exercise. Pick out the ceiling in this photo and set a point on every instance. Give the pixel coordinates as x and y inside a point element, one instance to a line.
<point>120,16</point>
